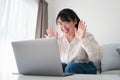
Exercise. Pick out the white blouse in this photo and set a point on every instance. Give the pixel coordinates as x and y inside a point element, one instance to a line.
<point>76,51</point>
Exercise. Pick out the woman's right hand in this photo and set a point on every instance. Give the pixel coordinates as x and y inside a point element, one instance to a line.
<point>51,33</point>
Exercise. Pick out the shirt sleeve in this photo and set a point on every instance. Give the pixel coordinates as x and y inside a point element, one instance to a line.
<point>92,48</point>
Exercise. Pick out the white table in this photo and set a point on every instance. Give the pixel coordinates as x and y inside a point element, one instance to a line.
<point>71,77</point>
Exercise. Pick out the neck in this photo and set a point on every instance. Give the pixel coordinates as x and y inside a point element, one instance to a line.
<point>70,37</point>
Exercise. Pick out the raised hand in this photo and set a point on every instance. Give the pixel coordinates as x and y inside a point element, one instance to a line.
<point>51,33</point>
<point>80,32</point>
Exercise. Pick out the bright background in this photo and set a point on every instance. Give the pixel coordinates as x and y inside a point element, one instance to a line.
<point>102,16</point>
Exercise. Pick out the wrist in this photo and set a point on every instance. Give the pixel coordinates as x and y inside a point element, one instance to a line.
<point>81,39</point>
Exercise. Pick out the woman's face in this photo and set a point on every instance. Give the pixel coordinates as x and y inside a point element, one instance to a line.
<point>68,28</point>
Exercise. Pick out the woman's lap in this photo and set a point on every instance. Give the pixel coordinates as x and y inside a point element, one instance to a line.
<point>80,68</point>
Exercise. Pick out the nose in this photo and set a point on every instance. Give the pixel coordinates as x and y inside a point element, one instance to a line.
<point>64,26</point>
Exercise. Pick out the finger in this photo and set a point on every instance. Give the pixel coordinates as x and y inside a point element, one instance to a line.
<point>84,29</point>
<point>56,34</point>
<point>48,31</point>
<point>81,22</point>
<point>83,25</point>
<point>52,30</point>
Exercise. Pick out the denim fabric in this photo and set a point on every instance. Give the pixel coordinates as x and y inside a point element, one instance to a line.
<point>80,68</point>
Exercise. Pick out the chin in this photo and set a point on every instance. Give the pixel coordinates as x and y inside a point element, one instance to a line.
<point>66,34</point>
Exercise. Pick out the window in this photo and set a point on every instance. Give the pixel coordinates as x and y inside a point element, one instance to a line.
<point>17,22</point>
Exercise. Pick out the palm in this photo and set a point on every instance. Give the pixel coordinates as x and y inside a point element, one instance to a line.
<point>80,32</point>
<point>51,33</point>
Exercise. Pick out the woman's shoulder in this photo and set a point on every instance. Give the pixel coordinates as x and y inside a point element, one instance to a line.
<point>88,34</point>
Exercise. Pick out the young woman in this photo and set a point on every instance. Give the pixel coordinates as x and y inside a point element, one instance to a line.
<point>78,48</point>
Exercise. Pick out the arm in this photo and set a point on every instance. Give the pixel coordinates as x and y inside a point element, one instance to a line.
<point>91,47</point>
<point>88,42</point>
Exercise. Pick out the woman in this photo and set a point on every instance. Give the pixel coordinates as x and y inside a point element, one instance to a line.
<point>78,48</point>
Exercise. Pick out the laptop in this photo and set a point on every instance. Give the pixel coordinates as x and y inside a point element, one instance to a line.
<point>38,57</point>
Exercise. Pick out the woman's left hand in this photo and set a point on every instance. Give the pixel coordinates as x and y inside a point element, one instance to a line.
<point>80,32</point>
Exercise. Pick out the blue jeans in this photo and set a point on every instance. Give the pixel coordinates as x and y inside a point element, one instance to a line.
<point>80,68</point>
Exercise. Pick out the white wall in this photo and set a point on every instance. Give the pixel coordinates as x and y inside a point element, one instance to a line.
<point>102,16</point>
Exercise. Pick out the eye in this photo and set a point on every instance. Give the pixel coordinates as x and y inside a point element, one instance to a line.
<point>67,23</point>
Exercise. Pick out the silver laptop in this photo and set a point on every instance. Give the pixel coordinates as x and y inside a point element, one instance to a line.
<point>38,57</point>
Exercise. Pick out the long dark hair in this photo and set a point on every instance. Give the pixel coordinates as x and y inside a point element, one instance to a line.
<point>68,15</point>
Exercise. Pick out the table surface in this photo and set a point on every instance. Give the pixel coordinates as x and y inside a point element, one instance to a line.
<point>71,77</point>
